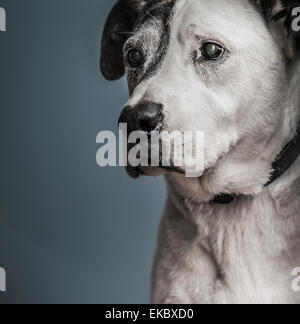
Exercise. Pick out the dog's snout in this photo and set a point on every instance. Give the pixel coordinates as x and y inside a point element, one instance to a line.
<point>148,116</point>
<point>145,116</point>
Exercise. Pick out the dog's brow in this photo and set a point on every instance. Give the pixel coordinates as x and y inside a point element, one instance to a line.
<point>202,36</point>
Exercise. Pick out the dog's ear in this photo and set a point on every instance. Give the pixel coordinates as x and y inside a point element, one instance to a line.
<point>284,19</point>
<point>118,27</point>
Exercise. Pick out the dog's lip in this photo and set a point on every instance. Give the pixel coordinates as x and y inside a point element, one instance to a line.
<point>136,172</point>
<point>173,169</point>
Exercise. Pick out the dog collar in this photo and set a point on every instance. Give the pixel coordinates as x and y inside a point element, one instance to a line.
<point>282,163</point>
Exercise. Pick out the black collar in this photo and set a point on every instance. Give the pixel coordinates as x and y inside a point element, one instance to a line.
<point>282,163</point>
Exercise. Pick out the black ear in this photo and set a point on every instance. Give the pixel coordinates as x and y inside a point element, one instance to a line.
<point>286,15</point>
<point>118,27</point>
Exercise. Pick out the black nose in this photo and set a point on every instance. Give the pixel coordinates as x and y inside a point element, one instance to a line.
<point>143,117</point>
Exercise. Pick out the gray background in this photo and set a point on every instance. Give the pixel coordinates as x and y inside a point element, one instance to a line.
<point>70,232</point>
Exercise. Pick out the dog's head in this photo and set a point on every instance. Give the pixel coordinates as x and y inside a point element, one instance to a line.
<point>214,66</point>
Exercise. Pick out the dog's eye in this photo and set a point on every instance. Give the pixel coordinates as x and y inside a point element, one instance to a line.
<point>212,51</point>
<point>135,58</point>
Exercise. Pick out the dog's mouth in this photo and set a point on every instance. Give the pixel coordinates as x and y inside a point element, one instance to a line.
<point>139,171</point>
<point>149,169</point>
<point>163,158</point>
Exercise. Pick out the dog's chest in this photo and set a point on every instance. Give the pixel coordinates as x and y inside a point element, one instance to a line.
<point>253,248</point>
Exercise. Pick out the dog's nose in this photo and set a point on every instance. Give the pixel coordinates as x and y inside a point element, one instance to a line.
<point>145,116</point>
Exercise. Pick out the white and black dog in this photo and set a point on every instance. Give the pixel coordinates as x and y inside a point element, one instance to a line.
<point>230,69</point>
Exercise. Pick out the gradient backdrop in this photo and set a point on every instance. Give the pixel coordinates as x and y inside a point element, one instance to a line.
<point>70,232</point>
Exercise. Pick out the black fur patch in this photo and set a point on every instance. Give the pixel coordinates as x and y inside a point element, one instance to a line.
<point>162,13</point>
<point>282,10</point>
<point>124,18</point>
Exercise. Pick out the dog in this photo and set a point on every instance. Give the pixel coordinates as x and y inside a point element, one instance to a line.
<point>230,69</point>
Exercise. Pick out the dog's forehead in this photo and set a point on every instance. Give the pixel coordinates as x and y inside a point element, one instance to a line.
<point>227,21</point>
<point>213,14</point>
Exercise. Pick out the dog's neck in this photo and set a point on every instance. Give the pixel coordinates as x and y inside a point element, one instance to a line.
<point>291,109</point>
<point>288,129</point>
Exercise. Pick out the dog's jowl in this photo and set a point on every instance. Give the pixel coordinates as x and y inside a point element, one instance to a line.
<point>229,69</point>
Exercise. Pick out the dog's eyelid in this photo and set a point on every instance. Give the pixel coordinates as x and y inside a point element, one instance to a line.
<point>132,43</point>
<point>214,40</point>
<point>129,46</point>
<point>201,40</point>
